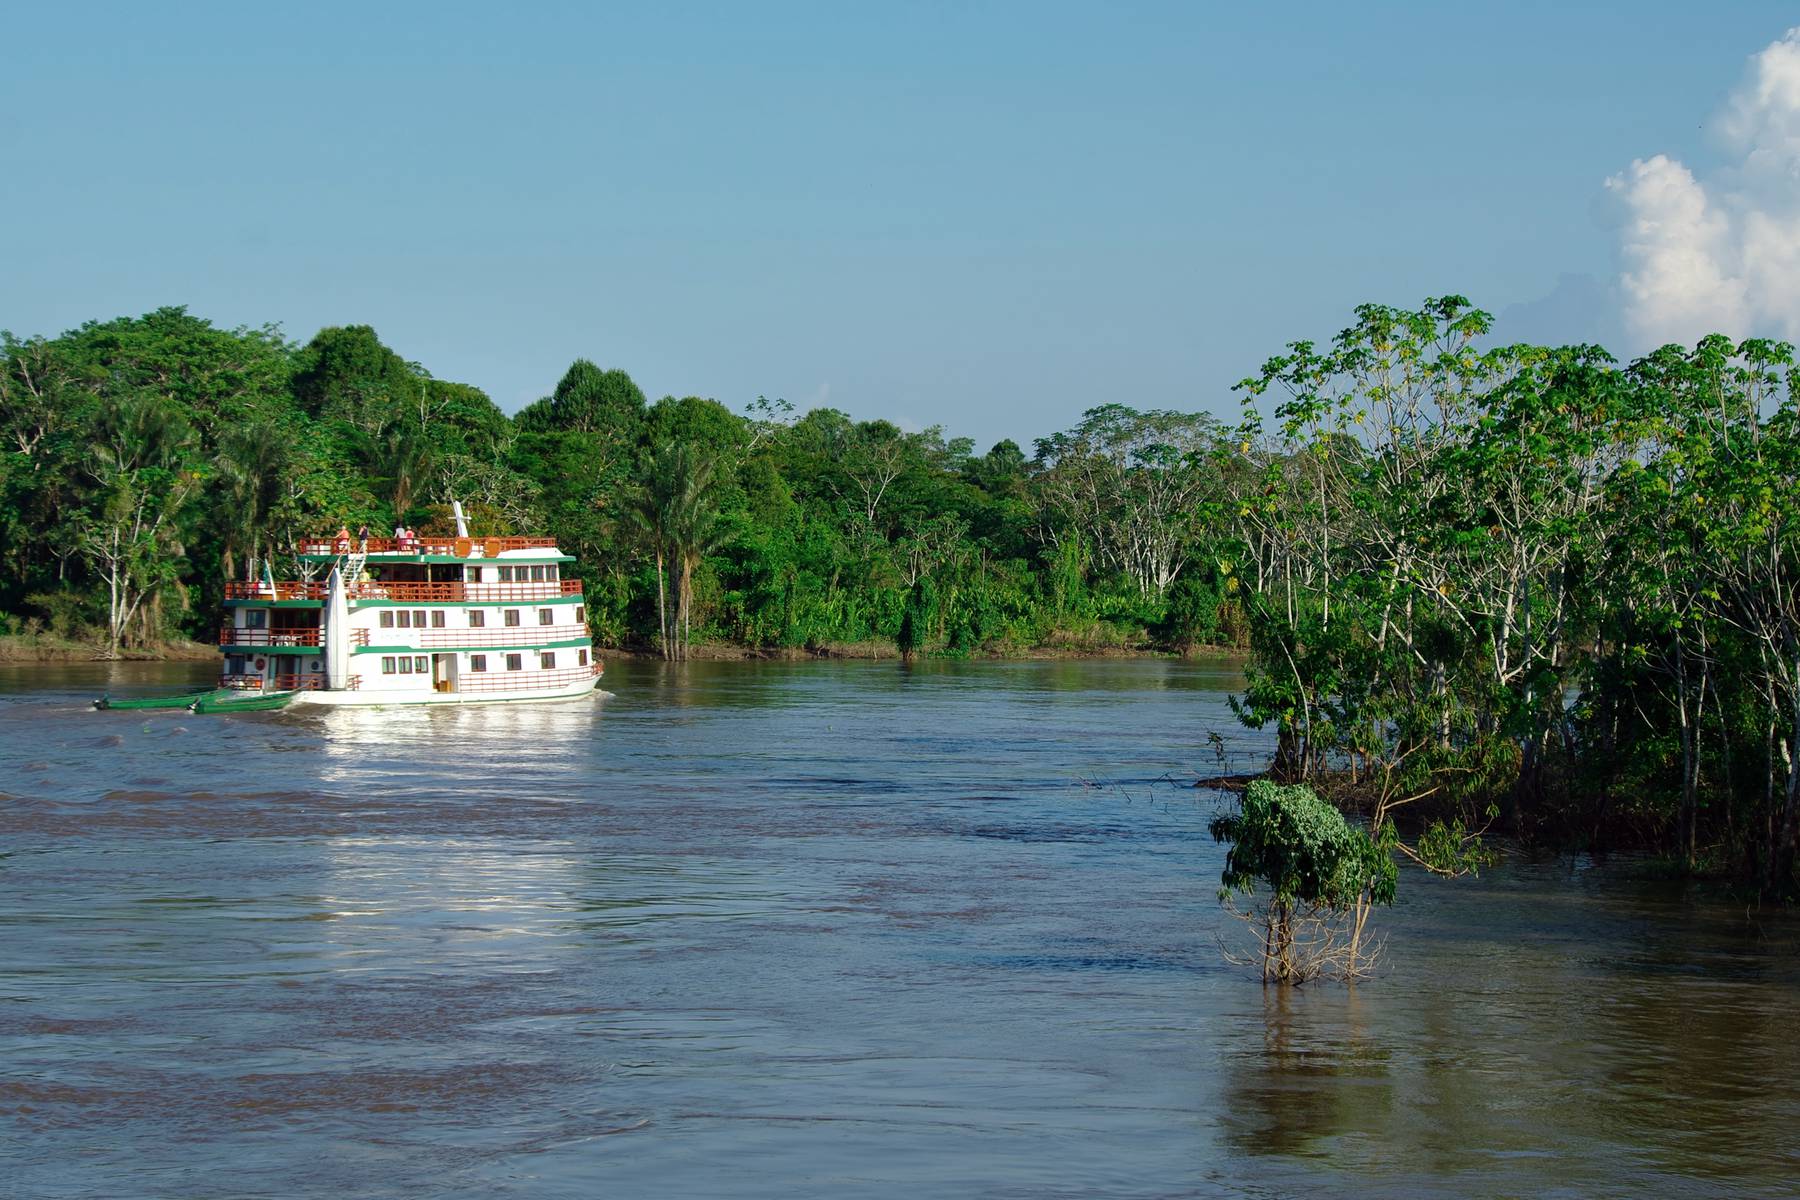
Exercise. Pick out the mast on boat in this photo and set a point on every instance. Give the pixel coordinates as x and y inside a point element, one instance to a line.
<point>337,631</point>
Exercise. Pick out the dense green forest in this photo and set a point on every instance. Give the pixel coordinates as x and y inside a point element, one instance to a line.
<point>148,460</point>
<point>1481,586</point>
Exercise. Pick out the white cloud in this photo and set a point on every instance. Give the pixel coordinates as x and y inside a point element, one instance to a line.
<point>1721,255</point>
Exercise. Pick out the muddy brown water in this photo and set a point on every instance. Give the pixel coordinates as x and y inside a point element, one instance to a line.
<point>808,929</point>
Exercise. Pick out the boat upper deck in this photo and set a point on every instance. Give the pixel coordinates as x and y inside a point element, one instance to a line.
<point>421,547</point>
<point>418,569</point>
<point>408,591</point>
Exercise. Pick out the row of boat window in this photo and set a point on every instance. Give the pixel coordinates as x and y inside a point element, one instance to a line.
<point>415,618</point>
<point>420,664</point>
<point>536,574</point>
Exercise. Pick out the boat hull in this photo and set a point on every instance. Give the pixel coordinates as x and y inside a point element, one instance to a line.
<point>349,699</point>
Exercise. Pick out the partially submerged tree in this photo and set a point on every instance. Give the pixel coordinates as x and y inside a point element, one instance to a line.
<point>1321,878</point>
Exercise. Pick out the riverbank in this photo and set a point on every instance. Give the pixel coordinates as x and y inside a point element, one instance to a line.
<point>47,648</point>
<point>875,651</point>
<point>44,648</point>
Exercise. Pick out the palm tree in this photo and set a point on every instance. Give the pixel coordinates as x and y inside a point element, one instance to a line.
<point>648,510</point>
<point>253,463</point>
<point>399,454</point>
<point>699,530</point>
<point>676,512</point>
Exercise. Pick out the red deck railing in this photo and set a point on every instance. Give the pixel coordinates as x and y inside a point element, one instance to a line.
<point>232,635</point>
<point>285,589</point>
<point>285,683</point>
<point>410,591</point>
<point>451,592</point>
<point>489,547</point>
<point>524,681</point>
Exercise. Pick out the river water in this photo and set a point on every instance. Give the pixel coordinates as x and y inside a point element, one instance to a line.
<point>813,929</point>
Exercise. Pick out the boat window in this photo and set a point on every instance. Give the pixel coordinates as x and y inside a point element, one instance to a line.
<point>437,618</point>
<point>581,614</point>
<point>387,619</point>
<point>512,616</point>
<point>546,616</point>
<point>505,574</point>
<point>552,571</point>
<point>420,665</point>
<point>477,618</point>
<point>581,658</point>
<point>477,662</point>
<point>256,618</point>
<point>547,660</point>
<point>537,574</point>
<point>387,664</point>
<point>418,618</point>
<point>404,619</point>
<point>515,662</point>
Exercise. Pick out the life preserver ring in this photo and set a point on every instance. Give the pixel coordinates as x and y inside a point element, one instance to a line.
<point>260,664</point>
<point>462,547</point>
<point>491,547</point>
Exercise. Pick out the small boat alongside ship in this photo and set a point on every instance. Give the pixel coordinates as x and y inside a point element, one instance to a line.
<point>184,699</point>
<point>404,620</point>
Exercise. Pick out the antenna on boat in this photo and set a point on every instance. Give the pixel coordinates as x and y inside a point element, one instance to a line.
<point>462,526</point>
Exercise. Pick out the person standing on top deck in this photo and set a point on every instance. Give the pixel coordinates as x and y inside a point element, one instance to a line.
<point>343,539</point>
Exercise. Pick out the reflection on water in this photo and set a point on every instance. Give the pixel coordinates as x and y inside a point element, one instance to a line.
<point>808,929</point>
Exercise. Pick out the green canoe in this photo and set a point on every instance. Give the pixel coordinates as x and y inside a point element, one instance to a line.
<point>178,700</point>
<point>236,701</point>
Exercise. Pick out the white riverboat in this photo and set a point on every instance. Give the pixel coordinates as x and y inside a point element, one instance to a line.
<point>420,620</point>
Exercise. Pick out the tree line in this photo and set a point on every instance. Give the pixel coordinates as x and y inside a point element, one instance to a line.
<point>148,460</point>
<point>1480,585</point>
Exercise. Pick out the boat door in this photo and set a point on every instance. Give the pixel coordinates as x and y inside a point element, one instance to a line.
<point>443,672</point>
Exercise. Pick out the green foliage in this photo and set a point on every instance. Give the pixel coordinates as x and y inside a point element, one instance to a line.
<point>1302,850</point>
<point>592,401</point>
<point>346,374</point>
<point>1524,584</point>
<point>1192,616</point>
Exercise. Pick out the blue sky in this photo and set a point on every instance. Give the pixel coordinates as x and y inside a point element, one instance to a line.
<point>989,217</point>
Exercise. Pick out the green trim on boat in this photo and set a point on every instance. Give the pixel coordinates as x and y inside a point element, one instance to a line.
<point>574,644</point>
<point>263,603</point>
